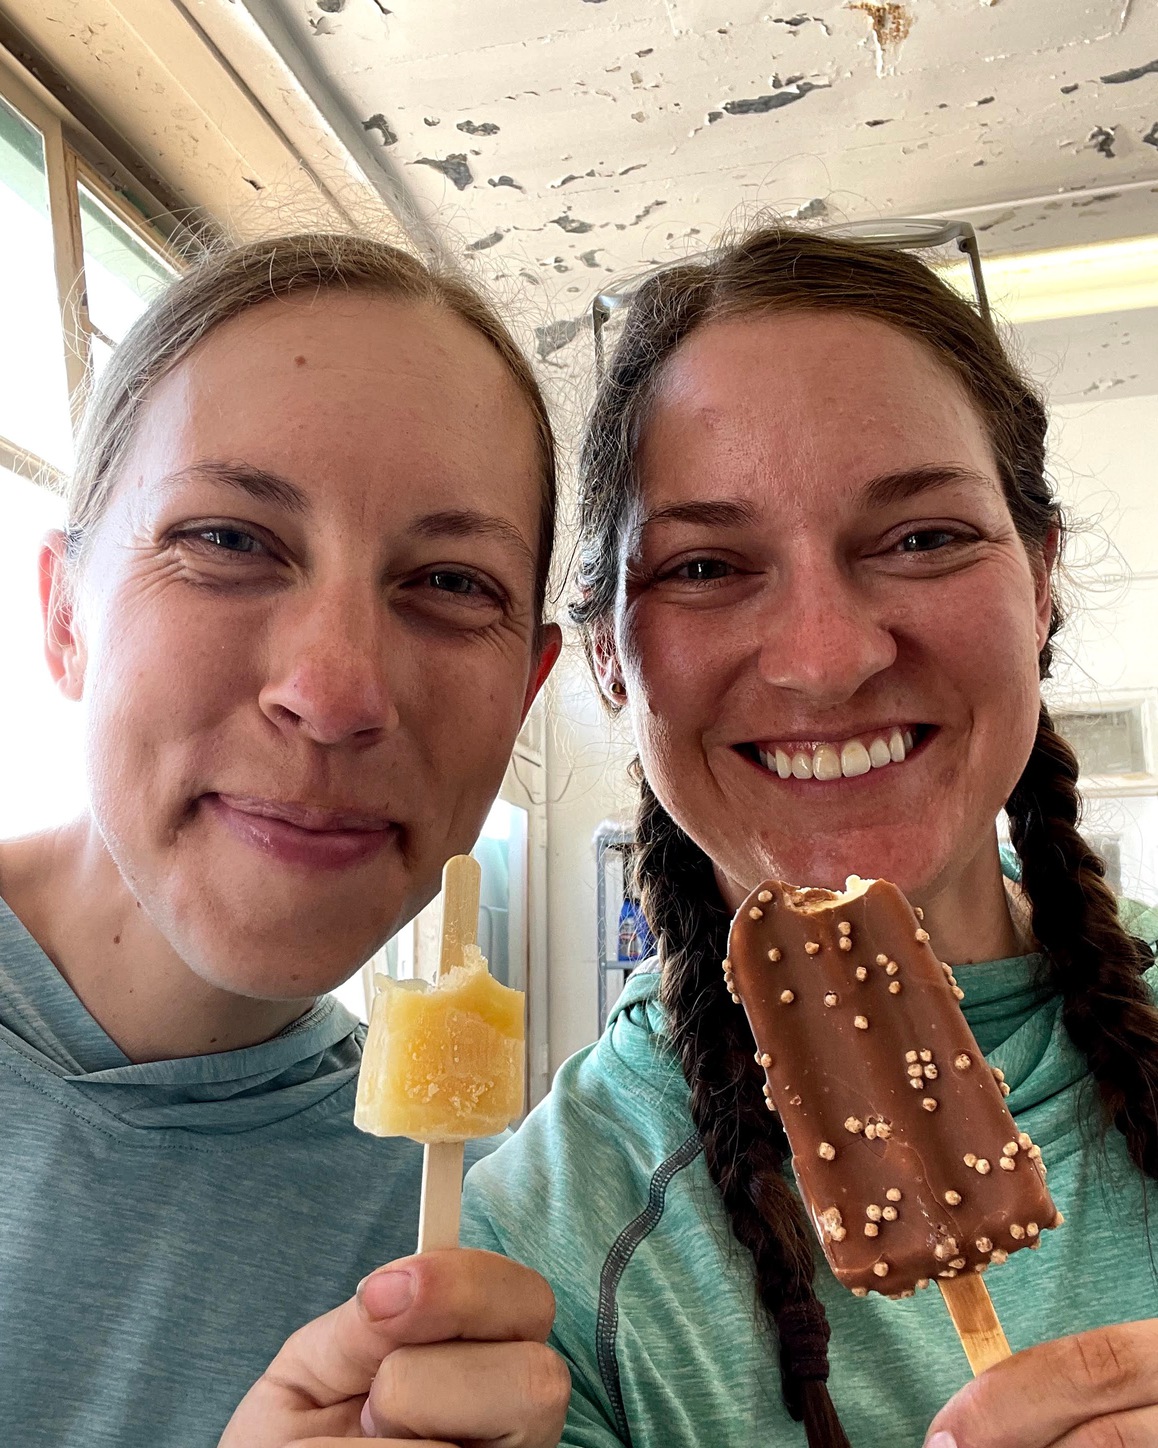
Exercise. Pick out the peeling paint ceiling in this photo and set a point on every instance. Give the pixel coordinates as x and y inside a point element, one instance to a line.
<point>558,143</point>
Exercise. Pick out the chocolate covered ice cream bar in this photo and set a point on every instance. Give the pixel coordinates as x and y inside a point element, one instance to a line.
<point>907,1159</point>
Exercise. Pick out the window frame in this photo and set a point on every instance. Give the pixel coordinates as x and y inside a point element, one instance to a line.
<point>67,146</point>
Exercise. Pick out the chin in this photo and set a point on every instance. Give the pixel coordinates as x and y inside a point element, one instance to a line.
<point>898,855</point>
<point>275,958</point>
<point>279,977</point>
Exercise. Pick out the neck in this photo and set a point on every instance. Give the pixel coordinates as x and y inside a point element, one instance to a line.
<point>66,890</point>
<point>978,914</point>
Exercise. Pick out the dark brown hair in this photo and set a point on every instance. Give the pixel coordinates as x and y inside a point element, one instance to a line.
<point>1094,964</point>
<point>228,282</point>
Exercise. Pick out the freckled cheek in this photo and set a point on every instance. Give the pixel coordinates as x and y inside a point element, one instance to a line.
<point>675,662</point>
<point>987,648</point>
<point>465,717</point>
<point>161,673</point>
<point>991,649</point>
<point>674,696</point>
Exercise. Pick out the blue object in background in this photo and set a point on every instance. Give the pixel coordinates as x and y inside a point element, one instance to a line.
<point>636,941</point>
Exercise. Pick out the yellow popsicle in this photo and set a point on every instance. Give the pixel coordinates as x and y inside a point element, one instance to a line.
<point>443,1062</point>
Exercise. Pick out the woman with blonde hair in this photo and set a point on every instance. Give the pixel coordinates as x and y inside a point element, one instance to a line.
<point>299,598</point>
<point>816,572</point>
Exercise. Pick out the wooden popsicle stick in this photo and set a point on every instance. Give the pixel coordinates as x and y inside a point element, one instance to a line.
<point>461,885</point>
<point>975,1319</point>
<point>440,1205</point>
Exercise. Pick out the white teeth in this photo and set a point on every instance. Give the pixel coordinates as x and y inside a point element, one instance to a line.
<point>832,761</point>
<point>854,759</point>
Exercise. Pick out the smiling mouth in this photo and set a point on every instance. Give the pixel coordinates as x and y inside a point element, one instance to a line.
<point>826,761</point>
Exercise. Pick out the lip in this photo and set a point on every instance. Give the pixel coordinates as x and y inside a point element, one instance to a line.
<point>810,738</point>
<point>302,835</point>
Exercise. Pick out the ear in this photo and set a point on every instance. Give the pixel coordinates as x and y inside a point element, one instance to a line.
<point>63,644</point>
<point>608,672</point>
<point>1043,584</point>
<point>550,644</point>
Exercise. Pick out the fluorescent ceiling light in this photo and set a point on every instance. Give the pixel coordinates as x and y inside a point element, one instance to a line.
<point>1073,281</point>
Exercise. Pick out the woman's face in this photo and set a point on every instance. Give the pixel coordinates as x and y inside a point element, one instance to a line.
<point>305,634</point>
<point>827,624</point>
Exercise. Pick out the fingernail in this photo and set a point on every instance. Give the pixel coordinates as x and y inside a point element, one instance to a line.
<point>941,1440</point>
<point>386,1294</point>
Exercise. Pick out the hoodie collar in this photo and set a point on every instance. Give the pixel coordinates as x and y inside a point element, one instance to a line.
<point>45,1023</point>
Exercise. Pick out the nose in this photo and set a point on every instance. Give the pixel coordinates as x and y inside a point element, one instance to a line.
<point>822,637</point>
<point>330,674</point>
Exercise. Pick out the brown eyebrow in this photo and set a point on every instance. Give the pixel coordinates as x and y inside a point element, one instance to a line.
<point>897,487</point>
<point>715,513</point>
<point>878,492</point>
<point>467,522</point>
<point>267,487</point>
<point>258,483</point>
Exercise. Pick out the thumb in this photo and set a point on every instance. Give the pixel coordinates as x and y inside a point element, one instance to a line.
<point>336,1356</point>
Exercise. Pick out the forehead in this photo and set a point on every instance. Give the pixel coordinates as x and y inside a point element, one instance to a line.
<point>351,387</point>
<point>823,399</point>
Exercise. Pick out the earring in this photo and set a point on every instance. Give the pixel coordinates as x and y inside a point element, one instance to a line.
<point>618,688</point>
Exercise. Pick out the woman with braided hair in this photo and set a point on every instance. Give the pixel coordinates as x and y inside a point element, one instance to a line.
<point>816,566</point>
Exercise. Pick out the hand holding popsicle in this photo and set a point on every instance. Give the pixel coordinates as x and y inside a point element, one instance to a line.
<point>1094,1388</point>
<point>448,1348</point>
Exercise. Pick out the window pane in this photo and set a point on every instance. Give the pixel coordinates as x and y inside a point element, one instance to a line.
<point>501,851</point>
<point>40,730</point>
<point>33,385</point>
<point>121,274</point>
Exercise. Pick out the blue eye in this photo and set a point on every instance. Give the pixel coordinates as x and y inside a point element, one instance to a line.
<point>230,540</point>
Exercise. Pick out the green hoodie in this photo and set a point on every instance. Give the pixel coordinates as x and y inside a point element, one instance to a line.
<point>604,1191</point>
<point>165,1225</point>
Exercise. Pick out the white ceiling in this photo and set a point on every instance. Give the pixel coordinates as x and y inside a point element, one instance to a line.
<point>556,143</point>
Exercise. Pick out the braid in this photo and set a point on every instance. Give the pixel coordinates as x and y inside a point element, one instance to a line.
<point>745,1148</point>
<point>1095,965</point>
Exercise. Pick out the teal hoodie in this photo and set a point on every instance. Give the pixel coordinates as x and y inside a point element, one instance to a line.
<point>164,1227</point>
<point>604,1191</point>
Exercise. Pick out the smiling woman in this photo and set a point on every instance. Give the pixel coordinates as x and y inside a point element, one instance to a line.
<point>816,566</point>
<point>298,599</point>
